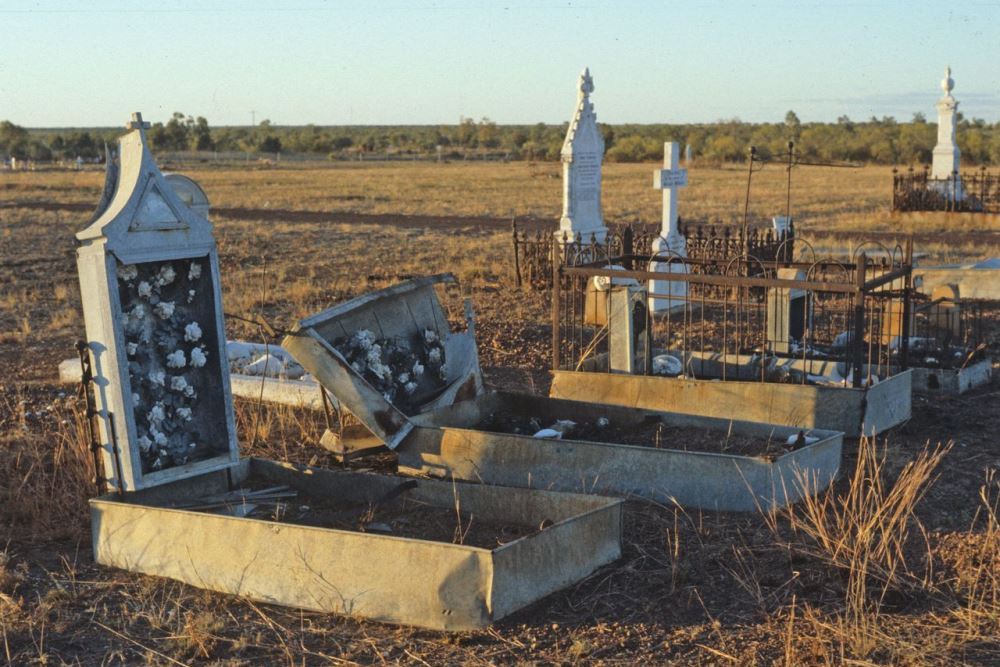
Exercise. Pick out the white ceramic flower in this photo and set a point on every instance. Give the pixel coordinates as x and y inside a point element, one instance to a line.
<point>183,413</point>
<point>191,294</point>
<point>403,378</point>
<point>145,289</point>
<point>158,437</point>
<point>157,413</point>
<point>166,275</point>
<point>189,391</point>
<point>144,443</point>
<point>128,272</point>
<point>176,359</point>
<point>135,398</point>
<point>410,387</point>
<point>192,445</point>
<point>138,313</point>
<point>434,356</point>
<point>195,271</point>
<point>157,378</point>
<point>164,309</point>
<point>178,383</point>
<point>418,369</point>
<point>430,336</point>
<point>363,339</point>
<point>444,371</point>
<point>192,332</point>
<point>374,355</point>
<point>198,357</point>
<point>131,348</point>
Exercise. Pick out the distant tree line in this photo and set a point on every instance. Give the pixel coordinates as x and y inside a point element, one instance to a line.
<point>876,140</point>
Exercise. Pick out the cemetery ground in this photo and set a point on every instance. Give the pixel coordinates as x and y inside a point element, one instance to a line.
<point>903,570</point>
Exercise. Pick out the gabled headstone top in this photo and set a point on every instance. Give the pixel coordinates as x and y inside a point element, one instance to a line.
<point>149,279</point>
<point>582,155</point>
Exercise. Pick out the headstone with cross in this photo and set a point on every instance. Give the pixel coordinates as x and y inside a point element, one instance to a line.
<point>670,245</point>
<point>582,155</point>
<point>152,305</point>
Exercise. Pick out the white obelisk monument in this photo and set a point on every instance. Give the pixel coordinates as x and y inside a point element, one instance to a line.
<point>670,244</point>
<point>946,154</point>
<point>582,155</point>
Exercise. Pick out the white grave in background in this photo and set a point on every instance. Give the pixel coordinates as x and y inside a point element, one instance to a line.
<point>149,279</point>
<point>946,154</point>
<point>582,154</point>
<point>670,244</point>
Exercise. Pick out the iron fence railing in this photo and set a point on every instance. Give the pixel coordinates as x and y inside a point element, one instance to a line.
<point>747,318</point>
<point>969,192</point>
<point>534,249</point>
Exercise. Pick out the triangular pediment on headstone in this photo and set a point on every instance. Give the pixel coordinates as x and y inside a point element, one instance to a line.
<point>154,213</point>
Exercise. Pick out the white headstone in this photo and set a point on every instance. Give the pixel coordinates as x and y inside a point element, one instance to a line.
<point>149,280</point>
<point>946,154</point>
<point>670,244</point>
<point>582,155</point>
<point>782,225</point>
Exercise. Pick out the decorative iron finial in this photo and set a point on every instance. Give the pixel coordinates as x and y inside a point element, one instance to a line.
<point>586,82</point>
<point>947,83</point>
<point>137,123</point>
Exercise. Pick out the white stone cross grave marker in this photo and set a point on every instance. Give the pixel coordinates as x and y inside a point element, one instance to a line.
<point>670,243</point>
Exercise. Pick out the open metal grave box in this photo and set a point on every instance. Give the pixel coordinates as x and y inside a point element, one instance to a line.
<point>448,425</point>
<point>814,344</point>
<point>186,506</point>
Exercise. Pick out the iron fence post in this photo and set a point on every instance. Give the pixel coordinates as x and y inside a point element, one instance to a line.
<point>859,320</point>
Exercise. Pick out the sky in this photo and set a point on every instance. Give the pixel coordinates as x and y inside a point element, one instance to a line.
<point>86,64</point>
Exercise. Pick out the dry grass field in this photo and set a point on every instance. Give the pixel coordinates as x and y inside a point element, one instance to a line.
<point>898,564</point>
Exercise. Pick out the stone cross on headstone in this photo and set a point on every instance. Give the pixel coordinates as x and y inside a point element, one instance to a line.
<point>670,244</point>
<point>582,154</point>
<point>945,162</point>
<point>137,123</point>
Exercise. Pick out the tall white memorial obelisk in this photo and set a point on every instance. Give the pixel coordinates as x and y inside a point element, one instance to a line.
<point>945,164</point>
<point>582,155</point>
<point>670,245</point>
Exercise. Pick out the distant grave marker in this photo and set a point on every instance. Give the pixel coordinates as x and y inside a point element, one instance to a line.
<point>582,155</point>
<point>671,244</point>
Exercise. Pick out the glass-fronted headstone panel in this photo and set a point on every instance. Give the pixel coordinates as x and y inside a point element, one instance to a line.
<point>169,319</point>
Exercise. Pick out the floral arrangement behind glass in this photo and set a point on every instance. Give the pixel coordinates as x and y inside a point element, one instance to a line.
<point>167,357</point>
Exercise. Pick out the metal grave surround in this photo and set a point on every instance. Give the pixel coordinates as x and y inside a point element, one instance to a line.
<point>278,533</point>
<point>449,437</point>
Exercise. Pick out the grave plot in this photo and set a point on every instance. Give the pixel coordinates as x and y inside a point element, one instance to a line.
<point>181,503</point>
<point>948,352</point>
<point>391,358</point>
<point>817,344</point>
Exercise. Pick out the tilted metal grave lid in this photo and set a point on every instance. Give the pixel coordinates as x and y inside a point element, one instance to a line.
<point>390,354</point>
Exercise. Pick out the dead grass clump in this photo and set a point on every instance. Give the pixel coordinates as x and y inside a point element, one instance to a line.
<point>866,534</point>
<point>46,470</point>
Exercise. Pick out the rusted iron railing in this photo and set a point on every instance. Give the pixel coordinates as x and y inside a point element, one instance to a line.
<point>969,192</point>
<point>807,320</point>
<point>534,250</point>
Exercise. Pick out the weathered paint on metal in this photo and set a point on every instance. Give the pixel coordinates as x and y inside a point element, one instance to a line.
<point>951,380</point>
<point>446,587</point>
<point>401,311</point>
<point>853,411</point>
<point>447,444</point>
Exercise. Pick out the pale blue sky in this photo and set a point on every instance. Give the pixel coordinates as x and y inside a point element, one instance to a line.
<point>415,62</point>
